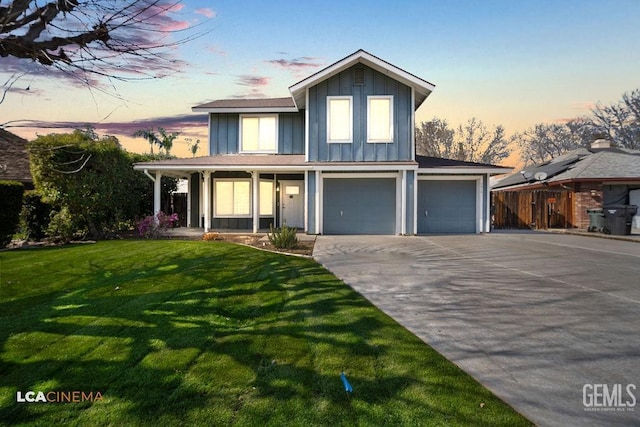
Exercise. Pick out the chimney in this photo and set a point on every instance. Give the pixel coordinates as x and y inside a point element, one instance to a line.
<point>601,143</point>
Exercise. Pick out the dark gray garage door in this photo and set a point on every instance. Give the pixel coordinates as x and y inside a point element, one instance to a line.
<point>446,206</point>
<point>359,206</point>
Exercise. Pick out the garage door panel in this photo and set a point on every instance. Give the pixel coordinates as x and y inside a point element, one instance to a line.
<point>359,206</point>
<point>447,206</point>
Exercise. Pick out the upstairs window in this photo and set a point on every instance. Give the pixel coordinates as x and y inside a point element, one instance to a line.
<point>258,134</point>
<point>379,119</point>
<point>339,119</point>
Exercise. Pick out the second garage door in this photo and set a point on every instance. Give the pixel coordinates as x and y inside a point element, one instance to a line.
<point>447,206</point>
<point>359,206</point>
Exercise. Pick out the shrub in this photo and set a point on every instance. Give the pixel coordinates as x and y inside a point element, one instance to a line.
<point>10,205</point>
<point>61,228</point>
<point>151,226</point>
<point>284,237</point>
<point>35,216</point>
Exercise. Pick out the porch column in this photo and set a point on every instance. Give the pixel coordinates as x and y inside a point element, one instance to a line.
<point>403,203</point>
<point>206,202</point>
<point>255,193</point>
<point>157,191</point>
<point>189,201</point>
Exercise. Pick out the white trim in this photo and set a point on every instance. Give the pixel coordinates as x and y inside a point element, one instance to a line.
<point>306,201</point>
<point>245,110</point>
<point>487,208</point>
<point>251,204</point>
<point>241,150</point>
<point>479,193</point>
<point>361,175</point>
<point>415,203</point>
<point>319,189</point>
<point>462,170</point>
<point>210,136</point>
<point>328,113</point>
<point>306,127</point>
<point>206,205</point>
<point>363,168</point>
<point>189,201</point>
<point>412,123</point>
<point>403,203</point>
<point>391,119</point>
<point>255,188</point>
<point>157,190</point>
<point>398,179</point>
<point>369,60</point>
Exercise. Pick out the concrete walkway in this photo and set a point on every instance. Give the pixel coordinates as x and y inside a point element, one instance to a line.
<point>541,319</point>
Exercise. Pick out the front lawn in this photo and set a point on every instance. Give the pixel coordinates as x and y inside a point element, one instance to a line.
<point>212,333</point>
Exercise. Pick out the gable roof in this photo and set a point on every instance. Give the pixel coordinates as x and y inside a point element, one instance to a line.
<point>579,164</point>
<point>243,105</point>
<point>422,88</point>
<point>14,158</point>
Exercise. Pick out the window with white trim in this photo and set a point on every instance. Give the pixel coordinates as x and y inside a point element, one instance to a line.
<point>258,133</point>
<point>379,119</point>
<point>266,198</point>
<point>232,197</point>
<point>339,119</point>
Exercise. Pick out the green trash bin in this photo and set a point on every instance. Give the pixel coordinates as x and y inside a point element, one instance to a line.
<point>596,219</point>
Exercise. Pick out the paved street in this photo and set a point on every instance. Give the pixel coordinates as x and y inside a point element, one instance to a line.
<point>533,316</point>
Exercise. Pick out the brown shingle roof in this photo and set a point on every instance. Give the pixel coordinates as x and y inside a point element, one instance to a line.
<point>242,103</point>
<point>14,158</point>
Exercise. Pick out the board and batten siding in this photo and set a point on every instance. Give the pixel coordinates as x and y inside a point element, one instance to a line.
<point>343,84</point>
<point>224,137</point>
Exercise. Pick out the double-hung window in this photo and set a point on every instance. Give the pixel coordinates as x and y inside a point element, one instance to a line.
<point>258,133</point>
<point>379,119</point>
<point>339,119</point>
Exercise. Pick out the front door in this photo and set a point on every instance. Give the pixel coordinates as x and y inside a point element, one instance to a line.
<point>292,203</point>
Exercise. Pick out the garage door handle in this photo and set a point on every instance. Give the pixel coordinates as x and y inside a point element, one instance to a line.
<point>426,213</point>
<point>341,213</point>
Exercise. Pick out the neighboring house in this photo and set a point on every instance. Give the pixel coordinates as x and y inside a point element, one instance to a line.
<point>335,157</point>
<point>14,159</point>
<point>557,194</point>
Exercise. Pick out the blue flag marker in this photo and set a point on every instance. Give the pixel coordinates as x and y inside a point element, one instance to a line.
<point>347,386</point>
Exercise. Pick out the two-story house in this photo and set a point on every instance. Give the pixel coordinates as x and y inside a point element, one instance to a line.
<point>335,157</point>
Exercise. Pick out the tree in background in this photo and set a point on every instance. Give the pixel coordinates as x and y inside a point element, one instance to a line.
<point>543,141</point>
<point>471,142</point>
<point>162,139</point>
<point>619,122</point>
<point>92,39</point>
<point>90,184</point>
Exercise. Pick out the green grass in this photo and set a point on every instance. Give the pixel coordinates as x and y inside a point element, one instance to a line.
<point>211,333</point>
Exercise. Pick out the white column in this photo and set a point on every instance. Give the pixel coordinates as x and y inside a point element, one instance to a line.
<point>206,208</point>
<point>189,201</point>
<point>403,203</point>
<point>256,206</point>
<point>157,190</point>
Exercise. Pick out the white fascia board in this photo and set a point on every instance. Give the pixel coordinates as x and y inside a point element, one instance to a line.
<point>461,171</point>
<point>369,60</point>
<point>216,168</point>
<point>245,110</point>
<point>363,168</point>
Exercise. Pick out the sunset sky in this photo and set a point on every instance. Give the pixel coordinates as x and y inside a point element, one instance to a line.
<point>514,63</point>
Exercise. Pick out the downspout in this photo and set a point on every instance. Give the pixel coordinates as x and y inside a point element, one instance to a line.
<point>151,177</point>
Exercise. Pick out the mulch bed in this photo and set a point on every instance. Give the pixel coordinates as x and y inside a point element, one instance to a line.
<point>303,248</point>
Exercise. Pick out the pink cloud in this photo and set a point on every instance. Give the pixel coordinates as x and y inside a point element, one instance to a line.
<point>295,64</point>
<point>217,50</point>
<point>205,11</point>
<point>253,81</point>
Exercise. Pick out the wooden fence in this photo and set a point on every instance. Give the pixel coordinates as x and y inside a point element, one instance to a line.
<point>534,209</point>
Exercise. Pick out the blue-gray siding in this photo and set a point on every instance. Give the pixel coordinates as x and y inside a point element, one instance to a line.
<point>225,127</point>
<point>447,206</point>
<point>359,206</point>
<point>359,150</point>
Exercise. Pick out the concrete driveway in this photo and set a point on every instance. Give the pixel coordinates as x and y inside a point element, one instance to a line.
<point>545,321</point>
